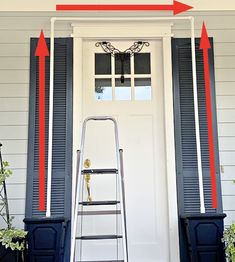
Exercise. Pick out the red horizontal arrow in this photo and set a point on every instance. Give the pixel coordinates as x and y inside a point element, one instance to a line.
<point>205,45</point>
<point>176,7</point>
<point>41,52</point>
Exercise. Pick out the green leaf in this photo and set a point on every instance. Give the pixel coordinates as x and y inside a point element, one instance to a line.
<point>5,172</point>
<point>13,238</point>
<point>229,240</point>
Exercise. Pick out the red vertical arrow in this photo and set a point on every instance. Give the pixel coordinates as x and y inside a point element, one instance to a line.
<point>205,45</point>
<point>42,52</point>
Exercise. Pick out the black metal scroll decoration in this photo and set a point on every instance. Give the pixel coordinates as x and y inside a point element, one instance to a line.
<point>122,55</point>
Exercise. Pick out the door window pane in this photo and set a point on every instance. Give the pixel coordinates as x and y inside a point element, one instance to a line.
<point>123,90</point>
<point>103,89</point>
<point>102,64</point>
<point>143,89</point>
<point>126,63</point>
<point>142,63</point>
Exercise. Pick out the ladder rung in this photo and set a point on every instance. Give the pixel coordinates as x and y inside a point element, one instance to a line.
<point>99,237</point>
<point>100,212</point>
<point>99,203</point>
<point>102,261</point>
<point>100,171</point>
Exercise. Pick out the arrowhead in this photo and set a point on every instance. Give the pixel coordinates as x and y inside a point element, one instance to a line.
<point>180,7</point>
<point>204,43</point>
<point>41,49</point>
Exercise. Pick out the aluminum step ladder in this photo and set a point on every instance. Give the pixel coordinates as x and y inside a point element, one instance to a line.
<point>121,211</point>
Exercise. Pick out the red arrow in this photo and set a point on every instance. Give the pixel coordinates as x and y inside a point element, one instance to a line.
<point>205,45</point>
<point>42,52</point>
<point>176,7</point>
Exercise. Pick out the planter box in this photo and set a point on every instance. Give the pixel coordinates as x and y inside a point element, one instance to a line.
<point>8,255</point>
<point>46,239</point>
<point>204,233</point>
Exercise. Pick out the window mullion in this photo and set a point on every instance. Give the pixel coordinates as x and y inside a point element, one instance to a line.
<point>113,76</point>
<point>132,78</point>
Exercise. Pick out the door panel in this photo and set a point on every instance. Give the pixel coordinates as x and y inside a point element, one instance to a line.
<point>138,110</point>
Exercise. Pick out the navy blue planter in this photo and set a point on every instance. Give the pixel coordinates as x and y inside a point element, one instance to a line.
<point>8,255</point>
<point>204,233</point>
<point>46,239</point>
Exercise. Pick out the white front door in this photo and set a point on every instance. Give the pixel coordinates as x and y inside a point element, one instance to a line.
<point>137,105</point>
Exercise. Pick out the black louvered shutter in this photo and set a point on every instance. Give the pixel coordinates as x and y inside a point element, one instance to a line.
<point>62,130</point>
<point>185,137</point>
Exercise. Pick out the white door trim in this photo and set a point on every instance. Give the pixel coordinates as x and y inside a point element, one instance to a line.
<point>136,31</point>
<point>170,151</point>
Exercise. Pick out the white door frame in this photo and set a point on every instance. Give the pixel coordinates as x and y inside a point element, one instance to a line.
<point>132,30</point>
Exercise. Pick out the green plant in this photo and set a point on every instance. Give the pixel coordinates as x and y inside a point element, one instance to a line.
<point>10,237</point>
<point>13,238</point>
<point>229,240</point>
<point>5,172</point>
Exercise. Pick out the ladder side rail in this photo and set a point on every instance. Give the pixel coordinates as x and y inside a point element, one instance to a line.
<point>120,190</point>
<point>79,183</point>
<point>123,193</point>
<point>74,218</point>
<point>74,192</point>
<point>75,182</point>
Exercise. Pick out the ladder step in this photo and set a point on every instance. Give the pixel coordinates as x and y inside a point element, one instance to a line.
<point>102,261</point>
<point>101,212</point>
<point>100,171</point>
<point>100,203</point>
<point>99,237</point>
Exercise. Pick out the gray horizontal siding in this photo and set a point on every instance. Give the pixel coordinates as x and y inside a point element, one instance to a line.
<point>16,29</point>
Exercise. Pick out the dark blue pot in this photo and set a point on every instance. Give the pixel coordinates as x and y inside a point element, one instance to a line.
<point>204,233</point>
<point>46,239</point>
<point>8,255</point>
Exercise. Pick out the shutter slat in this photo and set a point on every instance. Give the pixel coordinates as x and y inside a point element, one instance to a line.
<point>188,135</point>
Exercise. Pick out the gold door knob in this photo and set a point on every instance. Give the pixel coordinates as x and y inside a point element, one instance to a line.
<point>87,164</point>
